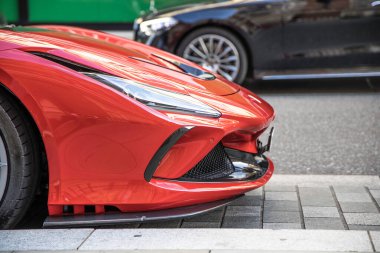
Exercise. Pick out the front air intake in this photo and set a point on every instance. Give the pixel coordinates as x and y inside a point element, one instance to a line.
<point>214,165</point>
<point>224,164</point>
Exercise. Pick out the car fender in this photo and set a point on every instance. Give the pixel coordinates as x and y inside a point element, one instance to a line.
<point>78,114</point>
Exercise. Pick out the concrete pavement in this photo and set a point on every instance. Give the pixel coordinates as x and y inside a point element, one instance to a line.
<point>190,239</point>
<point>297,202</point>
<point>291,213</point>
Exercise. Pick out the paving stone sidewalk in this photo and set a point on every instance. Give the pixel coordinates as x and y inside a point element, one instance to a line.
<point>328,202</point>
<point>318,213</point>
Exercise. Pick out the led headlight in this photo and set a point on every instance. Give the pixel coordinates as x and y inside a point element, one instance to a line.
<point>156,98</point>
<point>150,27</point>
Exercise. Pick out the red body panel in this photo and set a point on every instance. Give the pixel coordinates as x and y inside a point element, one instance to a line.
<point>99,142</point>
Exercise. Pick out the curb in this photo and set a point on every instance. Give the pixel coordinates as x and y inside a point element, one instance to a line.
<point>190,239</point>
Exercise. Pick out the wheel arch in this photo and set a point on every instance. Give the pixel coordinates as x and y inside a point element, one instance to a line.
<point>227,28</point>
<point>44,164</point>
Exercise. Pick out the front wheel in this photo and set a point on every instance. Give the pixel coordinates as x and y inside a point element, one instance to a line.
<point>19,162</point>
<point>216,50</point>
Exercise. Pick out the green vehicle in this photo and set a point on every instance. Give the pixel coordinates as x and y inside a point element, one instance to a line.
<point>97,14</point>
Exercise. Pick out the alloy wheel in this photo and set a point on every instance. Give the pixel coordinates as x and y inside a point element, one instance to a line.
<point>214,53</point>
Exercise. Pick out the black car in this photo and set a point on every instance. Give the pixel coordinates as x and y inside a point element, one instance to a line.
<point>271,39</point>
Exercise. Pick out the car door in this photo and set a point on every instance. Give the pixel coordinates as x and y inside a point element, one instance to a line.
<point>333,38</point>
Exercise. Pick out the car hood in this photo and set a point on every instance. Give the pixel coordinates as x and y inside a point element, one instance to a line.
<point>116,56</point>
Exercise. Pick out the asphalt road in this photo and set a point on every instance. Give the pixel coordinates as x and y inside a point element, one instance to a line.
<point>325,127</point>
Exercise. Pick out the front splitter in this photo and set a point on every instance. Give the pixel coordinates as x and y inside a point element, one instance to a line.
<point>95,220</point>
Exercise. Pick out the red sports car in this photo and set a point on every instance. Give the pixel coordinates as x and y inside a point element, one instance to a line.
<point>122,132</point>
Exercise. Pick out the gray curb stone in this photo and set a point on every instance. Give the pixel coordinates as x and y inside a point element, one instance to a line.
<point>265,251</point>
<point>375,239</point>
<point>253,239</point>
<point>54,239</point>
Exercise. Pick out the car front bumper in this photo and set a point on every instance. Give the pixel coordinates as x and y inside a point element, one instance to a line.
<point>250,172</point>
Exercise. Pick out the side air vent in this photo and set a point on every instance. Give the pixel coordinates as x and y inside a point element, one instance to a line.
<point>67,63</point>
<point>196,72</point>
<point>185,69</point>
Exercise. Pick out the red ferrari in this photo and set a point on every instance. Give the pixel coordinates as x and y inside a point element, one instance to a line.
<point>122,132</point>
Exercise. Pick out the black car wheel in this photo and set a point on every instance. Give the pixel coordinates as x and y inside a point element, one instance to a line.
<point>19,162</point>
<point>216,50</point>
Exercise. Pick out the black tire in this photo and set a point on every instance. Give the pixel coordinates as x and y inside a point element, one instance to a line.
<point>227,35</point>
<point>23,159</point>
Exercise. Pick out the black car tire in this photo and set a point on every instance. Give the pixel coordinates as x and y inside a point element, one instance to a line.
<point>243,69</point>
<point>23,161</point>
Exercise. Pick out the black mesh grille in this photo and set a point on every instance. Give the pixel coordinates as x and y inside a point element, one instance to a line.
<point>216,164</point>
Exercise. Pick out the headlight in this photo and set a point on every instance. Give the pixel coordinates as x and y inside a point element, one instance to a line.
<point>156,98</point>
<point>150,27</point>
